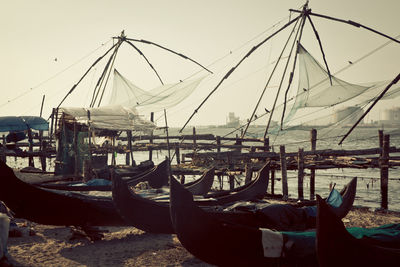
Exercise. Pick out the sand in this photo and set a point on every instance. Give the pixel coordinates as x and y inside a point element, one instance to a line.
<point>128,246</point>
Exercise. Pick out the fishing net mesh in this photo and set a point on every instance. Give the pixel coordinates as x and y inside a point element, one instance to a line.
<point>127,94</point>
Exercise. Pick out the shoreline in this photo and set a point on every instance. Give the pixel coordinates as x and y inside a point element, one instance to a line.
<point>128,246</point>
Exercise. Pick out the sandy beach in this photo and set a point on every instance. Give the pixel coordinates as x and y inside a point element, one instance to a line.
<point>128,246</point>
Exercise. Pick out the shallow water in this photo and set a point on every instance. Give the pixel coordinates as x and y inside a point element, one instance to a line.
<point>368,185</point>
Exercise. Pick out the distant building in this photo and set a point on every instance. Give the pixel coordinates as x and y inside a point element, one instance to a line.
<point>390,116</point>
<point>232,121</point>
<point>347,115</point>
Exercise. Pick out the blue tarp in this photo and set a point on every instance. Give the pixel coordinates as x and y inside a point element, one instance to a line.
<point>21,123</point>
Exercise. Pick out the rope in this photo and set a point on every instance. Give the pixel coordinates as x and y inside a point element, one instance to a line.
<point>53,76</point>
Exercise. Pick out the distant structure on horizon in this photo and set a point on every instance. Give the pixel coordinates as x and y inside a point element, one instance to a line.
<point>390,116</point>
<point>347,115</point>
<point>232,121</point>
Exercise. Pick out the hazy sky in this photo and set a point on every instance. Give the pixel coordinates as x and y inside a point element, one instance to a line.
<point>47,45</point>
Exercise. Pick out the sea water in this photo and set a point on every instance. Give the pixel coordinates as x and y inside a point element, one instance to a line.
<point>368,182</point>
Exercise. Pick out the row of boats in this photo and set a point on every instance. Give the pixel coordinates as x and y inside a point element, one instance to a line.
<point>226,228</point>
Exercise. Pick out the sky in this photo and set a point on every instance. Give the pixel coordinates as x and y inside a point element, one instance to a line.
<point>47,45</point>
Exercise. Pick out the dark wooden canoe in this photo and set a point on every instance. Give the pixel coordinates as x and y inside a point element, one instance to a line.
<point>202,185</point>
<point>60,207</point>
<point>337,247</point>
<point>152,215</point>
<point>212,240</point>
<point>55,207</point>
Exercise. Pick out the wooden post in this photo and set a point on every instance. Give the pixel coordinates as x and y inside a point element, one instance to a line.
<point>380,135</point>
<point>285,192</point>
<point>43,157</point>
<point>127,159</point>
<point>75,147</point>
<point>130,154</point>
<point>300,173</point>
<point>30,140</point>
<point>3,150</point>
<point>51,125</point>
<point>231,167</point>
<point>177,154</point>
<point>312,169</point>
<point>238,142</point>
<point>266,144</point>
<point>151,137</point>
<point>248,173</point>
<point>272,181</point>
<point>218,138</point>
<point>194,138</point>
<point>113,158</point>
<point>384,165</point>
<point>231,182</point>
<point>221,181</point>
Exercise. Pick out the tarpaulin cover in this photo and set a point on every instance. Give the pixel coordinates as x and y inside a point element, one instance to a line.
<point>21,123</point>
<point>116,118</point>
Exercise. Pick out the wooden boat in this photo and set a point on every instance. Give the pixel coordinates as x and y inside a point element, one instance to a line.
<point>212,240</point>
<point>337,247</point>
<point>202,185</point>
<point>61,207</point>
<point>145,167</point>
<point>255,189</point>
<point>55,207</point>
<point>152,215</point>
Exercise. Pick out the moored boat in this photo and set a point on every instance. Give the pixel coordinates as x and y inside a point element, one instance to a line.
<point>152,214</point>
<point>338,246</point>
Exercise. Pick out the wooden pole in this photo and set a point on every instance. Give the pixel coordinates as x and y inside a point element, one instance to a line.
<point>30,139</point>
<point>285,192</point>
<point>231,177</point>
<point>151,137</point>
<point>218,138</point>
<point>41,106</point>
<point>248,173</point>
<point>194,137</point>
<point>272,181</point>
<point>384,165</point>
<point>75,147</point>
<point>380,135</point>
<point>3,150</point>
<point>129,135</point>
<point>43,156</point>
<point>177,154</point>
<point>312,169</point>
<point>300,174</point>
<point>51,125</point>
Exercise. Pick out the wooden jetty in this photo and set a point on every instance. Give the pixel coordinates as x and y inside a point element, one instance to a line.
<point>235,155</point>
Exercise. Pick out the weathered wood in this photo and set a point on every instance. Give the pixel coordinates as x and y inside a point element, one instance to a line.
<point>385,172</point>
<point>266,144</point>
<point>151,138</point>
<point>300,173</point>
<point>285,192</point>
<point>231,182</point>
<point>218,138</point>
<point>194,136</point>
<point>30,140</point>
<point>3,150</point>
<point>272,181</point>
<point>75,146</point>
<point>312,169</point>
<point>248,173</point>
<point>275,156</point>
<point>380,136</point>
<point>177,154</point>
